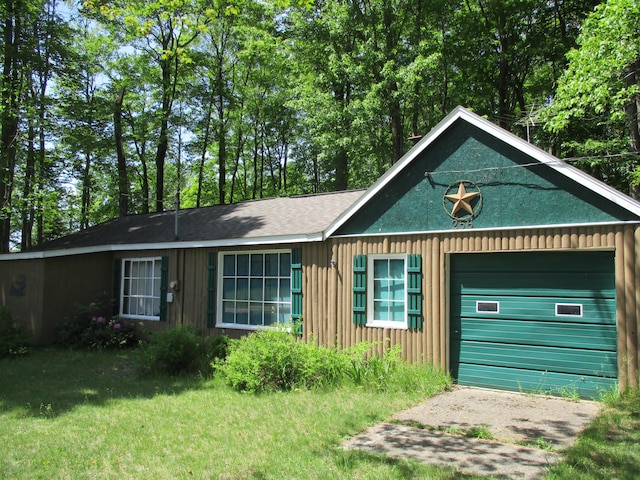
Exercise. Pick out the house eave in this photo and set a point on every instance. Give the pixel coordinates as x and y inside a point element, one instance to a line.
<point>177,245</point>
<point>490,229</point>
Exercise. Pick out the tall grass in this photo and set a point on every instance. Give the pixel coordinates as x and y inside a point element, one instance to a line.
<point>609,447</point>
<point>89,415</point>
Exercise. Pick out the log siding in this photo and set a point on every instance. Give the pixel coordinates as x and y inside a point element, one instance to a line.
<point>328,278</point>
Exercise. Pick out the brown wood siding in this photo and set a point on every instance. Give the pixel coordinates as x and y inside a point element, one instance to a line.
<point>328,291</point>
<point>22,291</point>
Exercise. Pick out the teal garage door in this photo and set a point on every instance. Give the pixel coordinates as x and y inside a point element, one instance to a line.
<point>535,322</point>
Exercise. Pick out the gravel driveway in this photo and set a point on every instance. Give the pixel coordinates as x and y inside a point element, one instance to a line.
<point>519,425</point>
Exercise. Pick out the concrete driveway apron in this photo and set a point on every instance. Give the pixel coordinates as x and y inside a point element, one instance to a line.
<point>433,432</point>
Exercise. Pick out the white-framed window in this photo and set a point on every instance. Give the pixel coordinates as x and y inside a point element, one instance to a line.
<point>140,288</point>
<point>387,291</point>
<point>254,289</point>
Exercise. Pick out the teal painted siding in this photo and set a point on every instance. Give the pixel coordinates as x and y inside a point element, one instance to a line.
<point>511,197</point>
<point>524,344</point>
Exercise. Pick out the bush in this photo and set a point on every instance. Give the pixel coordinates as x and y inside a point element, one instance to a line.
<point>219,348</point>
<point>271,360</point>
<point>176,351</point>
<point>13,341</point>
<point>91,328</point>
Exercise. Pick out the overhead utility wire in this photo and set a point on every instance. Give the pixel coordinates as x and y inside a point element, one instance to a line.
<point>532,164</point>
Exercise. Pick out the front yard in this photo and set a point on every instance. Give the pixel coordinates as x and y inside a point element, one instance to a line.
<point>89,415</point>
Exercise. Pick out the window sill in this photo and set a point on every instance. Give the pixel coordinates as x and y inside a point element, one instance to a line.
<point>394,325</point>
<point>138,317</point>
<point>234,326</point>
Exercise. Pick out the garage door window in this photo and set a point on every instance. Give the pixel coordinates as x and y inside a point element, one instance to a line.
<point>568,310</point>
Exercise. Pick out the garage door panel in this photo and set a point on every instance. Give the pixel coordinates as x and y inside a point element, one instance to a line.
<point>593,310</point>
<point>533,381</point>
<point>587,262</point>
<point>590,337</point>
<point>537,284</point>
<point>560,360</point>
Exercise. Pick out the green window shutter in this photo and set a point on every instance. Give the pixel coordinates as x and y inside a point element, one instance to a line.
<point>360,289</point>
<point>117,281</point>
<point>414,291</point>
<point>296,284</point>
<point>211,290</point>
<point>164,280</point>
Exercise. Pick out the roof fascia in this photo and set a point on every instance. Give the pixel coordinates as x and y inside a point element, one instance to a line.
<point>509,138</point>
<point>234,242</point>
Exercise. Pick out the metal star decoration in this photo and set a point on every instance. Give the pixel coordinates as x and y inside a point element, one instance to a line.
<point>462,199</point>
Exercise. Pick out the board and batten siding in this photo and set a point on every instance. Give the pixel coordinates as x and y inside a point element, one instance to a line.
<point>328,296</point>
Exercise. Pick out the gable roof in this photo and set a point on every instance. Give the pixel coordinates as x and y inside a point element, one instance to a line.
<point>536,154</point>
<point>269,221</point>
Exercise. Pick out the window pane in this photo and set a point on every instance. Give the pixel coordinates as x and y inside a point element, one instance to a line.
<point>380,310</point>
<point>256,289</point>
<point>271,289</point>
<point>243,265</point>
<point>396,312</point>
<point>381,269</point>
<point>381,289</point>
<point>242,313</point>
<point>285,264</point>
<point>396,290</point>
<point>285,290</point>
<point>396,268</point>
<point>156,307</point>
<point>271,265</point>
<point>228,289</point>
<point>256,314</point>
<point>270,315</point>
<point>242,289</point>
<point>228,312</point>
<point>257,265</point>
<point>284,312</point>
<point>229,269</point>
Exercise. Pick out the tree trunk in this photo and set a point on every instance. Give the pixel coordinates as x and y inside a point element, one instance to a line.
<point>9,127</point>
<point>86,192</point>
<point>27,193</point>
<point>632,79</point>
<point>123,181</point>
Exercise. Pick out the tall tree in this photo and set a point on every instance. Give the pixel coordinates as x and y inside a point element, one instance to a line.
<point>13,14</point>
<point>598,97</point>
<point>164,30</point>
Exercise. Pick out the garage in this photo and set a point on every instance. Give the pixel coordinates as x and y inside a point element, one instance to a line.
<point>542,322</point>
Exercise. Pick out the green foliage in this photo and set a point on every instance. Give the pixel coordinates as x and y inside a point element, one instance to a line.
<point>271,360</point>
<point>91,328</point>
<point>275,360</point>
<point>177,351</point>
<point>13,341</point>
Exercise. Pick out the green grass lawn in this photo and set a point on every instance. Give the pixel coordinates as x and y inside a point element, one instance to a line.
<point>70,415</point>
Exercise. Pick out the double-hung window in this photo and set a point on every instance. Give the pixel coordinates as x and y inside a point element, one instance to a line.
<point>254,289</point>
<point>387,291</point>
<point>140,288</point>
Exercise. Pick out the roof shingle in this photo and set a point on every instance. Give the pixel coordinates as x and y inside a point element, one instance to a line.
<point>305,215</point>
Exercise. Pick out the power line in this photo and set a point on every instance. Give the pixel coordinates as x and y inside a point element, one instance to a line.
<point>533,164</point>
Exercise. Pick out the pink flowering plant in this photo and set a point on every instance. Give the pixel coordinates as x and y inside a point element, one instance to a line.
<point>90,327</point>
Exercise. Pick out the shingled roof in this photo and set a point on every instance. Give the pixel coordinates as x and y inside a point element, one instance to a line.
<point>274,220</point>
